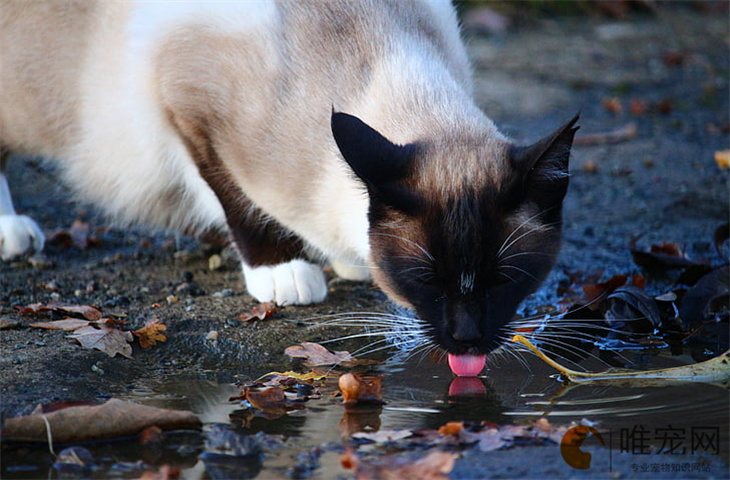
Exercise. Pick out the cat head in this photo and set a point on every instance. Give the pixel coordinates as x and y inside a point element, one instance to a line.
<point>461,230</point>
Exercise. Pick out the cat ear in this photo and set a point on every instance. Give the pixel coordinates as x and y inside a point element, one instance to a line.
<point>375,160</point>
<point>544,166</point>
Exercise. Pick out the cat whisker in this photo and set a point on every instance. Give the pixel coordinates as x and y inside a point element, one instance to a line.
<point>512,280</point>
<point>521,270</point>
<point>425,252</point>
<point>509,241</point>
<point>520,254</point>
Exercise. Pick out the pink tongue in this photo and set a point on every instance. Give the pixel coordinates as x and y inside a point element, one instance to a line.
<point>466,365</point>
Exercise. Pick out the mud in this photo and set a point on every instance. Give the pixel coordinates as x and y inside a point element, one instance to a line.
<point>661,185</point>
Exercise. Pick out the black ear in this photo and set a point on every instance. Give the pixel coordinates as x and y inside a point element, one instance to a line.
<point>375,159</point>
<point>544,166</point>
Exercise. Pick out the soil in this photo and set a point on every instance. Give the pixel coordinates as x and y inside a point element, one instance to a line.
<point>662,184</point>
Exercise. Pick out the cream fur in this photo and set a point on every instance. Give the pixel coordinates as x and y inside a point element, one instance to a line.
<point>97,102</point>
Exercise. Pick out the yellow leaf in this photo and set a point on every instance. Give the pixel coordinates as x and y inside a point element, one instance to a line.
<point>722,158</point>
<point>711,371</point>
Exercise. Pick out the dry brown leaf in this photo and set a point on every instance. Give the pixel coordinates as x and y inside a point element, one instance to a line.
<point>722,158</point>
<point>612,105</point>
<point>261,311</point>
<point>315,354</point>
<point>89,312</point>
<point>113,419</point>
<point>151,333</point>
<point>383,436</point>
<point>451,428</point>
<point>165,472</point>
<point>601,290</point>
<point>67,324</point>
<point>109,340</point>
<point>436,465</point>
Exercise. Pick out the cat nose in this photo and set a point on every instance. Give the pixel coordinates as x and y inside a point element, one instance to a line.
<point>464,326</point>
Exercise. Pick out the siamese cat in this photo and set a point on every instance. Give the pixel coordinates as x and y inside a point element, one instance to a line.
<point>310,131</point>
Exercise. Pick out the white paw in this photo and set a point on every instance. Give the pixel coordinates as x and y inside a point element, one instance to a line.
<point>19,235</point>
<point>293,283</point>
<point>350,271</point>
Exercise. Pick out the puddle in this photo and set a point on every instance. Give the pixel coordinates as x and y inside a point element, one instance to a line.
<point>418,396</point>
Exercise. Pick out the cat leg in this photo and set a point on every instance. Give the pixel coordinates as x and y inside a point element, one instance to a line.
<point>275,265</point>
<point>296,282</point>
<point>350,271</point>
<point>19,234</point>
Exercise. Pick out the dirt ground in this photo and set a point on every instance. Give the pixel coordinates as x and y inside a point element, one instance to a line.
<point>664,72</point>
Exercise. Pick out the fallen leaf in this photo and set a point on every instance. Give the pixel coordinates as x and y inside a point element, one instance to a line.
<point>67,324</point>
<point>165,472</point>
<point>359,388</point>
<point>272,402</point>
<point>697,301</point>
<point>544,428</point>
<point>89,312</point>
<point>314,354</point>
<point>612,105</point>
<point>261,311</point>
<point>106,339</point>
<point>491,439</point>
<point>383,436</point>
<point>436,465</point>
<point>451,428</point>
<point>664,106</point>
<point>715,370</point>
<point>664,256</point>
<point>151,333</point>
<point>630,310</point>
<point>275,379</point>
<point>722,158</point>
<point>638,107</point>
<point>113,419</point>
<point>32,309</point>
<point>596,292</point>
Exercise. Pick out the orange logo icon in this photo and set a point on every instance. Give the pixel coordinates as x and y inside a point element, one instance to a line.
<point>571,443</point>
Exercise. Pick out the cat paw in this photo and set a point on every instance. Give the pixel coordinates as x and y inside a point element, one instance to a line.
<point>350,271</point>
<point>19,234</point>
<point>293,283</point>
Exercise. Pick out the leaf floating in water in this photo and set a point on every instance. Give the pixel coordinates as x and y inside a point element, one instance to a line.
<point>697,302</point>
<point>715,370</point>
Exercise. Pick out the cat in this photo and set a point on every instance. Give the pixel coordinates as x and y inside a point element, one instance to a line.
<point>340,131</point>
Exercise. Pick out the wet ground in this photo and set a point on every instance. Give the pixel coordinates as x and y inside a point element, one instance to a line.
<point>668,72</point>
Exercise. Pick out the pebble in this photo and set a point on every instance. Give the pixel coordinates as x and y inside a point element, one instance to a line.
<point>215,262</point>
<point>226,292</point>
<point>212,335</point>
